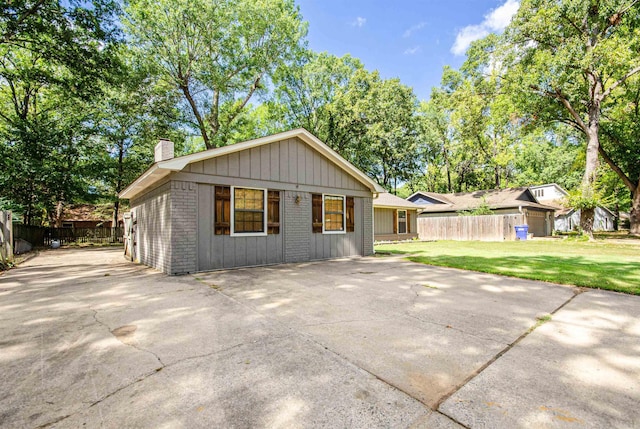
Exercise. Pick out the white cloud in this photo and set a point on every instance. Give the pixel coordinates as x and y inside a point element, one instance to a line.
<point>409,31</point>
<point>466,36</point>
<point>359,22</point>
<point>412,51</point>
<point>496,20</point>
<point>499,18</point>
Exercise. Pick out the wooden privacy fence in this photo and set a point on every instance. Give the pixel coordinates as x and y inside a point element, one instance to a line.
<point>40,236</point>
<point>6,238</point>
<point>469,228</point>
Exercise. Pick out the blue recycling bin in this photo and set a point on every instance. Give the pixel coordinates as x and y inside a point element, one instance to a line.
<point>521,232</point>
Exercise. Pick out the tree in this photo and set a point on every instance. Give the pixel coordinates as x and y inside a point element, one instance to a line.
<point>44,136</point>
<point>54,57</point>
<point>620,146</point>
<point>379,127</point>
<point>217,53</point>
<point>307,87</point>
<point>569,58</point>
<point>77,36</point>
<point>130,118</point>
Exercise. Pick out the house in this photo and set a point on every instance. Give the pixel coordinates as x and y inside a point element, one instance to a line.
<point>566,218</point>
<point>283,198</point>
<point>394,218</point>
<point>537,216</point>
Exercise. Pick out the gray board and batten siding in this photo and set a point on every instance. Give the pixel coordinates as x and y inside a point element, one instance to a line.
<point>289,166</point>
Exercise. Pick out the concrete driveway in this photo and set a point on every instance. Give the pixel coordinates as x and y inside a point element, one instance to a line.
<point>90,339</point>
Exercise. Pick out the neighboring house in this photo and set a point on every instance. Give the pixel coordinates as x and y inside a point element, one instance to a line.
<point>567,218</point>
<point>394,218</point>
<point>537,216</point>
<point>86,216</point>
<point>281,198</point>
<point>549,192</point>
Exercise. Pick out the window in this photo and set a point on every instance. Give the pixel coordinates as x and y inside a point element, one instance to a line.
<point>333,208</point>
<point>249,215</point>
<point>402,221</point>
<point>332,214</point>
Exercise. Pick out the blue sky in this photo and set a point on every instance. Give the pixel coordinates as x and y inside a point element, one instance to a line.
<point>411,40</point>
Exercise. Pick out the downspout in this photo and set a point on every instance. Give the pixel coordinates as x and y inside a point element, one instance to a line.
<point>524,214</point>
<point>373,221</point>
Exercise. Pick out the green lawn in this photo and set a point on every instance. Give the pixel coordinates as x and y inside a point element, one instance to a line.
<point>599,264</point>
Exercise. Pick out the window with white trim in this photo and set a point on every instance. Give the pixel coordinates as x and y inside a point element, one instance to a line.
<point>333,209</point>
<point>249,214</point>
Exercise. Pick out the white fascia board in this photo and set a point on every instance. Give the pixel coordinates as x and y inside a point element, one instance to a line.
<point>178,164</point>
<point>147,178</point>
<point>376,206</point>
<point>425,195</point>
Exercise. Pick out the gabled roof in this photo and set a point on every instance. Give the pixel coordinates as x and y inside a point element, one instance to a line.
<point>495,198</point>
<point>432,195</point>
<point>388,200</point>
<point>546,185</point>
<point>162,169</point>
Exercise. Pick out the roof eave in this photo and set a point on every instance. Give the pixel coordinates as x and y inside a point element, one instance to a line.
<point>164,168</point>
<point>384,206</point>
<point>152,175</point>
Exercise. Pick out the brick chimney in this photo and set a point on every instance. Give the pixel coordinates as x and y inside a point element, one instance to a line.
<point>163,150</point>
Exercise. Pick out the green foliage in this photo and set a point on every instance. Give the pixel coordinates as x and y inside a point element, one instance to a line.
<point>370,121</point>
<point>218,54</point>
<point>588,197</point>
<point>54,58</point>
<point>568,62</point>
<point>484,209</point>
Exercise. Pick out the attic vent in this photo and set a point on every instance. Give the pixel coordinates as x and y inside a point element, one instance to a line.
<point>163,150</point>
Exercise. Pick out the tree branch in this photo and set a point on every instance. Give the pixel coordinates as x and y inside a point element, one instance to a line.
<point>244,102</point>
<point>196,112</point>
<point>628,182</point>
<point>25,15</point>
<point>620,81</point>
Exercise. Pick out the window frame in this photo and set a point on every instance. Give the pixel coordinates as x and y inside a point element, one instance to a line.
<point>406,219</point>
<point>344,214</point>
<point>265,199</point>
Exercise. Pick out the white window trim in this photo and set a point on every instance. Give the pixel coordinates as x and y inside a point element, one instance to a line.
<point>233,232</point>
<point>344,214</point>
<point>398,222</point>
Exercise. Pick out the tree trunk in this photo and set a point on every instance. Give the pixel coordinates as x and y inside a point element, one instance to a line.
<point>59,213</point>
<point>591,169</point>
<point>634,213</point>
<point>116,209</point>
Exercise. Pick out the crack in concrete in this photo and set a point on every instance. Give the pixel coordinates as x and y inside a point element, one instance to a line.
<point>576,292</point>
<point>312,339</point>
<point>95,317</point>
<point>53,422</point>
<point>144,376</point>
<point>452,419</point>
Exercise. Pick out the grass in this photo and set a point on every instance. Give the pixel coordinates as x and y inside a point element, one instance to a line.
<point>599,264</point>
